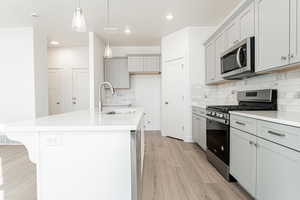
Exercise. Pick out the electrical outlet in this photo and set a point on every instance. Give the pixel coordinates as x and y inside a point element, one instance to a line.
<point>53,140</point>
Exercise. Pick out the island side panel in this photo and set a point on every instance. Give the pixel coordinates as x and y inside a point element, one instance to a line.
<point>85,165</point>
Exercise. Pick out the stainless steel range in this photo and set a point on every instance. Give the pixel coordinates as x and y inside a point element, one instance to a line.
<point>218,125</point>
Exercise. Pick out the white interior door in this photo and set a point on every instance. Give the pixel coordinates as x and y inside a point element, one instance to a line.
<point>80,89</point>
<point>56,93</point>
<point>173,99</point>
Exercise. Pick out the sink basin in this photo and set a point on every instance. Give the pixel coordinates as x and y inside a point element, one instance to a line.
<point>119,111</point>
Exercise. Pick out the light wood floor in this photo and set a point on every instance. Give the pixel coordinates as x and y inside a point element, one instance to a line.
<point>174,170</point>
<point>17,174</point>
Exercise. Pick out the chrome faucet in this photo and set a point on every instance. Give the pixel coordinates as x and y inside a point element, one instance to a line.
<point>100,93</point>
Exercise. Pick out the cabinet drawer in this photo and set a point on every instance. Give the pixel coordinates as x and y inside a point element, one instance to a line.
<point>243,124</point>
<point>284,135</point>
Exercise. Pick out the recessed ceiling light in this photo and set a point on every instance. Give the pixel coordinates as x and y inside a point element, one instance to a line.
<point>54,43</point>
<point>169,16</point>
<point>127,31</point>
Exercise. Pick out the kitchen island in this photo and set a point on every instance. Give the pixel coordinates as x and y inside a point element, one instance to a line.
<point>85,154</point>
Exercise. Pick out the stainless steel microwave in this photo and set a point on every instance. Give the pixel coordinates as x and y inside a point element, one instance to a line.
<point>239,61</point>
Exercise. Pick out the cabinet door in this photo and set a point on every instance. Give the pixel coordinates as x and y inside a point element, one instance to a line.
<point>273,30</point>
<point>233,33</point>
<point>295,30</point>
<point>247,22</point>
<point>243,159</point>
<point>116,72</point>
<point>210,62</point>
<point>220,48</point>
<point>278,170</point>
<point>195,129</point>
<point>202,137</point>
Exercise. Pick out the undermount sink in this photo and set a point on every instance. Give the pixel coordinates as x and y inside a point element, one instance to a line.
<point>119,111</point>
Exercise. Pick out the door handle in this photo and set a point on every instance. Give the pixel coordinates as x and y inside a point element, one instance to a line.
<point>166,102</point>
<point>74,102</point>
<point>277,134</point>
<point>240,123</point>
<point>57,103</point>
<point>238,60</point>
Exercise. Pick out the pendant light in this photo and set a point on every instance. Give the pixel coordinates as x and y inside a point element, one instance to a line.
<point>107,50</point>
<point>78,22</point>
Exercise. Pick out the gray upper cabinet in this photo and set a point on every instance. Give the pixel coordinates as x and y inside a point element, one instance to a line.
<point>220,48</point>
<point>295,30</point>
<point>273,34</point>
<point>238,28</point>
<point>247,22</point>
<point>144,63</point>
<point>210,63</point>
<point>233,33</point>
<point>116,72</point>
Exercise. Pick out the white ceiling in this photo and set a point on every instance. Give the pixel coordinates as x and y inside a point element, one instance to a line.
<point>146,18</point>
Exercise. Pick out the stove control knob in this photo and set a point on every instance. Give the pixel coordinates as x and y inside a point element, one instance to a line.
<point>221,115</point>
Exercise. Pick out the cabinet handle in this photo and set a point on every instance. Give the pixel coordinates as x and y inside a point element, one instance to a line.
<point>251,143</point>
<point>240,123</point>
<point>166,103</point>
<point>283,58</point>
<point>277,134</point>
<point>292,56</point>
<point>57,103</point>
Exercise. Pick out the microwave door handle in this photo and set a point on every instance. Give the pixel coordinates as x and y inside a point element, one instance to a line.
<point>238,57</point>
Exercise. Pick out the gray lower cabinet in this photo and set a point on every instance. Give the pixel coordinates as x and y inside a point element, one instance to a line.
<point>199,130</point>
<point>267,162</point>
<point>278,172</point>
<point>243,159</point>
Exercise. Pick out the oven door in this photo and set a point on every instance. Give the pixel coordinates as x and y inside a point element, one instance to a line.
<point>217,133</point>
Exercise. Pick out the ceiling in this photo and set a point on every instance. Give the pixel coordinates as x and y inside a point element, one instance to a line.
<point>146,18</point>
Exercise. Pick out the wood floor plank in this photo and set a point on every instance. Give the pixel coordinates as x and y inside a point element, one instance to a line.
<point>175,170</point>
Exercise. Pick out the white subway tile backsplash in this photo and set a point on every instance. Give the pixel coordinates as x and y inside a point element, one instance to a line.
<point>287,83</point>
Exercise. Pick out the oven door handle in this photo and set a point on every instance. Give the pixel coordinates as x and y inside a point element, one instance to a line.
<point>238,60</point>
<point>223,121</point>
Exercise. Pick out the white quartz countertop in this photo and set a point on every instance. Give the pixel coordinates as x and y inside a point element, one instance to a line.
<point>280,117</point>
<point>80,121</point>
<point>199,105</point>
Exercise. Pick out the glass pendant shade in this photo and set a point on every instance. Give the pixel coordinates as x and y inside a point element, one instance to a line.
<point>78,22</point>
<point>107,51</point>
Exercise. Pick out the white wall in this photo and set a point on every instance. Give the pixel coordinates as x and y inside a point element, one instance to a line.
<point>96,68</point>
<point>20,80</point>
<point>77,56</point>
<point>41,71</point>
<point>144,89</point>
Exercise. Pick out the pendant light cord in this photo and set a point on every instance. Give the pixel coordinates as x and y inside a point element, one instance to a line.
<point>107,13</point>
